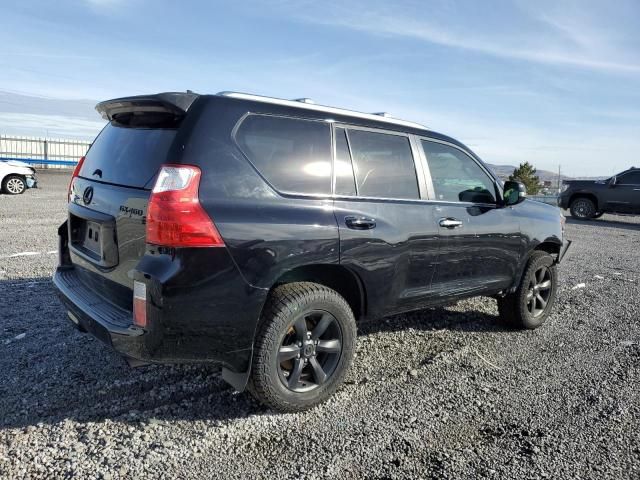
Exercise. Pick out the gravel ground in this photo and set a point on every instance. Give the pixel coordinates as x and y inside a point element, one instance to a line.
<point>444,393</point>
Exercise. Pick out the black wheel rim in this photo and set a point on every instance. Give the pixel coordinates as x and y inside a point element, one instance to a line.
<point>539,291</point>
<point>583,209</point>
<point>310,351</point>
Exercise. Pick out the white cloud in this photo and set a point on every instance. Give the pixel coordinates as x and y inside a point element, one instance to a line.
<point>52,126</point>
<point>561,38</point>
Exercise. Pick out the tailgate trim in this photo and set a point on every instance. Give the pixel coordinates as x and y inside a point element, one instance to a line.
<point>92,305</point>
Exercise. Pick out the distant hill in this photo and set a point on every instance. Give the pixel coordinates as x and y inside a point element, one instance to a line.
<point>503,171</point>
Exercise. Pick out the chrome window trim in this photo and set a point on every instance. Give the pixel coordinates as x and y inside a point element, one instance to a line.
<point>492,177</point>
<point>417,167</point>
<point>334,151</point>
<point>419,156</point>
<point>321,108</point>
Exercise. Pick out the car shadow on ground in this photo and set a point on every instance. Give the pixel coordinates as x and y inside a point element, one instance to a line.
<point>618,223</point>
<point>50,372</point>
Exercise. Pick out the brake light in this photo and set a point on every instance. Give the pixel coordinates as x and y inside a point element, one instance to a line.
<point>76,172</point>
<point>139,304</point>
<point>175,217</point>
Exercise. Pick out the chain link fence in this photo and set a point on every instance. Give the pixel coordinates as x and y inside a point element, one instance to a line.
<point>43,152</point>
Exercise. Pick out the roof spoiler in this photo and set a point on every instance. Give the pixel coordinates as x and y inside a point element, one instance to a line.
<point>176,103</point>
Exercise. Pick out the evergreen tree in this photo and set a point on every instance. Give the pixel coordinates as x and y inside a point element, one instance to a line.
<point>526,173</point>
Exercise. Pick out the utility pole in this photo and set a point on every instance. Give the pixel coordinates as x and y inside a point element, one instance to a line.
<point>558,178</point>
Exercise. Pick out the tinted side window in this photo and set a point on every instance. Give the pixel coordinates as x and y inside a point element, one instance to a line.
<point>345,181</point>
<point>293,155</point>
<point>383,165</point>
<point>631,178</point>
<point>456,176</point>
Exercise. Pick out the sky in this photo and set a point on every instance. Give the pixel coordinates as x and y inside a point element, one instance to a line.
<point>552,82</point>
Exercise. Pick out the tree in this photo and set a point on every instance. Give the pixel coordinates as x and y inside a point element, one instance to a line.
<point>526,173</point>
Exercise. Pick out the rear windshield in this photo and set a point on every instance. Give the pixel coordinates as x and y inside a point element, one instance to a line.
<point>127,156</point>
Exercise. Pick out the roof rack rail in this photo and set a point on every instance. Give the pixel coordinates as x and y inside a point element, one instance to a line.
<point>382,114</point>
<point>304,100</point>
<point>305,103</point>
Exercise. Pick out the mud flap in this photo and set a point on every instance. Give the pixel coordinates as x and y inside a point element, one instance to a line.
<point>563,251</point>
<point>237,380</point>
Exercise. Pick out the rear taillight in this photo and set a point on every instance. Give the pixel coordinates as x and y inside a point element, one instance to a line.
<point>139,304</point>
<point>76,172</point>
<point>175,217</point>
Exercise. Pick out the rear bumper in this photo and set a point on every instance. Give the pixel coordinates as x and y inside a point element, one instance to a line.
<point>199,307</point>
<point>92,314</point>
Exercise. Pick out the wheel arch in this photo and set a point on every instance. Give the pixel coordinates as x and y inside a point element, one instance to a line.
<point>337,277</point>
<point>551,245</point>
<point>588,195</point>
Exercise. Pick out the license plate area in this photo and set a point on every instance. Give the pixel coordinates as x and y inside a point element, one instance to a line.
<point>92,236</point>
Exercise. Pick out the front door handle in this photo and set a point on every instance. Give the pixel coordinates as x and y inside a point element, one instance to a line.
<point>360,223</point>
<point>450,222</point>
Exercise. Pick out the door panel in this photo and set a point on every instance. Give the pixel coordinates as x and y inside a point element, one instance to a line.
<point>480,243</point>
<point>624,196</point>
<point>390,243</point>
<point>480,256</point>
<point>396,259</point>
<point>620,198</point>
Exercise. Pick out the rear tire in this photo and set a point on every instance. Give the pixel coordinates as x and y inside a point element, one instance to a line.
<point>14,185</point>
<point>582,208</point>
<point>529,306</point>
<point>304,347</point>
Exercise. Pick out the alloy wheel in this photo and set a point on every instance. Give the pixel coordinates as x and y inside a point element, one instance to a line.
<point>583,209</point>
<point>539,291</point>
<point>310,351</point>
<point>15,185</point>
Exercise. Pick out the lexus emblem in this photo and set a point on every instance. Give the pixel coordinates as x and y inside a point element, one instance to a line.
<point>87,196</point>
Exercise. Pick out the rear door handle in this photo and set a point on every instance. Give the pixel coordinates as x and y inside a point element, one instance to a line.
<point>450,222</point>
<point>360,223</point>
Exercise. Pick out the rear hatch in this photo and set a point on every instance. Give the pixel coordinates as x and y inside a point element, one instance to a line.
<point>109,197</point>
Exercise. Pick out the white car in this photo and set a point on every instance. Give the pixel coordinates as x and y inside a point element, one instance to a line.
<point>16,177</point>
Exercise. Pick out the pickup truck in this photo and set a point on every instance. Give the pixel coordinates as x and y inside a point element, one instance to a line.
<point>587,199</point>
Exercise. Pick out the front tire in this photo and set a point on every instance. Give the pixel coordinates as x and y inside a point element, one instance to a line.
<point>529,306</point>
<point>14,185</point>
<point>582,208</point>
<point>304,347</point>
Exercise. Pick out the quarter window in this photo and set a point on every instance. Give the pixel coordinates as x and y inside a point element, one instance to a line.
<point>345,181</point>
<point>456,176</point>
<point>383,165</point>
<point>293,155</point>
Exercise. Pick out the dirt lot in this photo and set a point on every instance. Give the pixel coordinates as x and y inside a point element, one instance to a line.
<point>444,393</point>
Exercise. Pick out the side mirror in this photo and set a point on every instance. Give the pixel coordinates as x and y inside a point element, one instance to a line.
<point>514,193</point>
<point>613,181</point>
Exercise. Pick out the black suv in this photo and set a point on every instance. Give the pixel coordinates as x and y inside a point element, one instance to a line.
<point>591,199</point>
<point>255,232</point>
